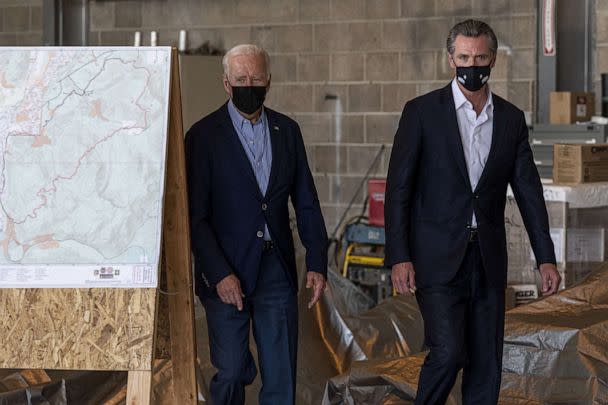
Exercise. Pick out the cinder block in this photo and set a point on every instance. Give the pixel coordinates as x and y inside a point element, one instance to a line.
<point>265,11</point>
<point>418,66</point>
<point>524,31</point>
<point>314,10</point>
<point>460,8</point>
<point>232,36</point>
<point>523,64</point>
<point>381,128</point>
<point>520,94</point>
<point>115,38</point>
<point>494,7</point>
<point>361,158</point>
<point>357,36</point>
<point>399,35</point>
<point>344,189</point>
<point>427,87</point>
<point>347,66</point>
<point>503,28</point>
<point>602,27</point>
<point>444,70</point>
<point>417,8</point>
<point>293,38</point>
<point>331,98</point>
<point>347,9</point>
<point>364,97</point>
<point>382,66</point>
<point>601,5</point>
<point>432,34</point>
<point>383,8</point>
<point>16,19</point>
<point>8,39</point>
<point>313,67</point>
<point>347,128</point>
<point>128,14</point>
<point>322,186</point>
<point>36,19</point>
<point>159,14</point>
<point>501,68</point>
<point>395,95</point>
<point>290,98</point>
<point>330,159</point>
<point>29,39</point>
<point>316,128</point>
<point>283,68</point>
<point>264,36</point>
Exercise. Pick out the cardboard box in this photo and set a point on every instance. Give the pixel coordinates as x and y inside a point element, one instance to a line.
<point>580,163</point>
<point>566,107</point>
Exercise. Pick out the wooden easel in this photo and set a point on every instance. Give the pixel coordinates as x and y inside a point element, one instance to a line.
<point>117,328</point>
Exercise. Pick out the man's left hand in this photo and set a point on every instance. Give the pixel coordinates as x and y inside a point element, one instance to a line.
<point>550,278</point>
<point>316,281</point>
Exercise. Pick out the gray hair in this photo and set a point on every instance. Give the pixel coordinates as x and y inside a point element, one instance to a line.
<point>472,28</point>
<point>245,49</point>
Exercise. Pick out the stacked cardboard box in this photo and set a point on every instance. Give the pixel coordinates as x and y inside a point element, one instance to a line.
<point>579,236</point>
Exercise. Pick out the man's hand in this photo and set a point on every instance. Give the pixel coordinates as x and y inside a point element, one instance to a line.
<point>550,278</point>
<point>316,281</point>
<point>402,277</point>
<point>229,291</point>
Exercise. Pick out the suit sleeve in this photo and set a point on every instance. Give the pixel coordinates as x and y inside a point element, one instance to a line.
<point>204,242</point>
<point>528,192</point>
<point>400,186</point>
<point>311,226</point>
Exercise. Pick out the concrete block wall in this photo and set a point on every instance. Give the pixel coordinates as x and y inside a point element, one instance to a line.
<point>342,68</point>
<point>20,22</point>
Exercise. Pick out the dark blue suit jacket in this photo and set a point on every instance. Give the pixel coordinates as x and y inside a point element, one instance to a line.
<point>227,209</point>
<point>429,201</point>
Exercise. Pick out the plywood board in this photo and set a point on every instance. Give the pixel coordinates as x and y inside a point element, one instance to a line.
<point>90,329</point>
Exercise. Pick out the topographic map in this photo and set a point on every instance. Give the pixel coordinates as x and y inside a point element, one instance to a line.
<point>82,161</point>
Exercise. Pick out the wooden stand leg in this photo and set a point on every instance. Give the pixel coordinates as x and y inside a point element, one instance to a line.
<point>139,387</point>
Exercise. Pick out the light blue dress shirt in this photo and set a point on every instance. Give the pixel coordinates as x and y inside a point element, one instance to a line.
<point>255,139</point>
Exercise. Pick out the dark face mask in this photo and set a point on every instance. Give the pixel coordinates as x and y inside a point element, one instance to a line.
<point>473,77</point>
<point>248,99</point>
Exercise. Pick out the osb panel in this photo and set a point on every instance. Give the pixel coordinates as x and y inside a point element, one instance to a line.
<point>77,329</point>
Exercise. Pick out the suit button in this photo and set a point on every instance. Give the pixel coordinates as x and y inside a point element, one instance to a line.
<point>476,196</point>
<point>264,207</point>
<point>260,234</point>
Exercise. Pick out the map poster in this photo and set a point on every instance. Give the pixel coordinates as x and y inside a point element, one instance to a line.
<point>83,135</point>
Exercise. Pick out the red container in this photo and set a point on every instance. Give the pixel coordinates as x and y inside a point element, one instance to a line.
<point>376,188</point>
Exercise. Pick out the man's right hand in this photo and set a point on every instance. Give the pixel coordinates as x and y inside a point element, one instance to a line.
<point>402,277</point>
<point>229,291</point>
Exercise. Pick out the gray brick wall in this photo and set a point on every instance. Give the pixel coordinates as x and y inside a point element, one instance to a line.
<point>20,22</point>
<point>372,55</point>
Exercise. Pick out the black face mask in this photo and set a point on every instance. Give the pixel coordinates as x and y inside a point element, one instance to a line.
<point>248,99</point>
<point>473,77</point>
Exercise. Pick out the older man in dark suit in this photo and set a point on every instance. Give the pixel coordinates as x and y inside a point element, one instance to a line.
<point>244,162</point>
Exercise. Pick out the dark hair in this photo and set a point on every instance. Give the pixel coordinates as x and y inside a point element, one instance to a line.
<point>471,28</point>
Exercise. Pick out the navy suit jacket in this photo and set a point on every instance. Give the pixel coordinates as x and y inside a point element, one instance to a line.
<point>227,209</point>
<point>429,200</point>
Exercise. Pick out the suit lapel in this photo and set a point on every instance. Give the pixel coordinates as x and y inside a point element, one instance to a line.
<point>451,124</point>
<point>276,145</point>
<point>235,144</point>
<point>498,127</point>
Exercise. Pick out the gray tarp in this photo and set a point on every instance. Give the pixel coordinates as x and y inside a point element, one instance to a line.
<point>555,352</point>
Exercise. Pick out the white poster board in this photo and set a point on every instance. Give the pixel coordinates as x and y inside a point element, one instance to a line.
<point>83,136</point>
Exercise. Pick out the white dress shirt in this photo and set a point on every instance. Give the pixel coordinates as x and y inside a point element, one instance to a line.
<point>475,133</point>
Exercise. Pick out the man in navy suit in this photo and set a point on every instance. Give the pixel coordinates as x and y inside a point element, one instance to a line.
<point>244,162</point>
<point>455,152</point>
